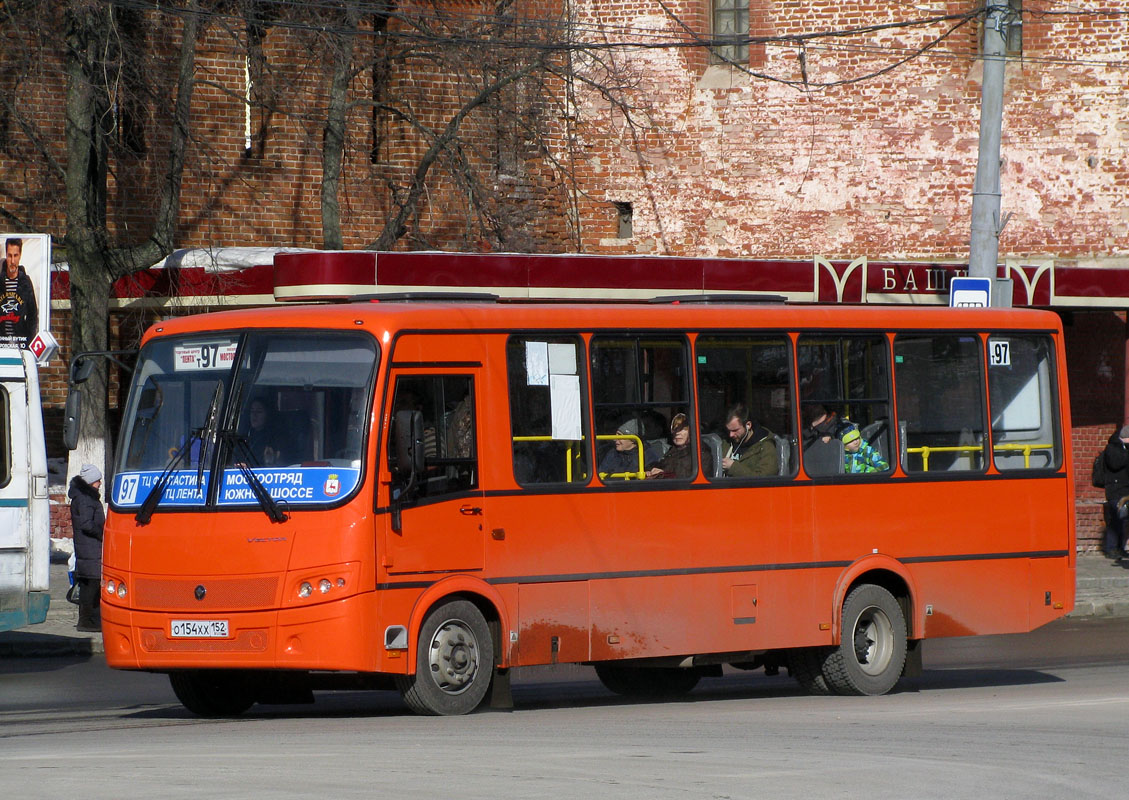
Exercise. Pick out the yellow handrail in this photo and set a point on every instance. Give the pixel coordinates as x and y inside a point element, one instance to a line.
<point>926,450</point>
<point>604,437</point>
<point>1026,449</point>
<point>568,453</point>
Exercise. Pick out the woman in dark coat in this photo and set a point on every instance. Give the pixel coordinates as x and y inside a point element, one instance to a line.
<point>1116,491</point>
<point>87,521</point>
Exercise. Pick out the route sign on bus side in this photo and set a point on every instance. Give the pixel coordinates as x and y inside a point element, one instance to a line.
<point>967,292</point>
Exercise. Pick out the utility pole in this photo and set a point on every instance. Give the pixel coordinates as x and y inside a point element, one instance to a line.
<point>984,247</point>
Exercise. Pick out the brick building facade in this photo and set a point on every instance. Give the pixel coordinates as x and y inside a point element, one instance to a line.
<point>857,145</point>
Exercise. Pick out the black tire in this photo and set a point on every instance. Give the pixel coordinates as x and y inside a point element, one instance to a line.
<point>454,662</point>
<point>872,650</point>
<point>213,693</point>
<point>805,664</point>
<point>647,682</point>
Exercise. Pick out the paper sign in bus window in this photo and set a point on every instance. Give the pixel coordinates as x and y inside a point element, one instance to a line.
<point>564,393</point>
<point>213,355</point>
<point>536,363</point>
<point>562,359</point>
<point>999,353</point>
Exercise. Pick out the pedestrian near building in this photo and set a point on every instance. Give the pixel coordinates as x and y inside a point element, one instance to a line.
<point>1116,458</point>
<point>87,522</point>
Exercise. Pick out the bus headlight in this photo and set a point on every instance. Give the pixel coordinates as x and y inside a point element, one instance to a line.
<point>322,584</point>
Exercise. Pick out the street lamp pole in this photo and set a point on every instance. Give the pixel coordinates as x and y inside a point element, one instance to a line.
<point>985,242</point>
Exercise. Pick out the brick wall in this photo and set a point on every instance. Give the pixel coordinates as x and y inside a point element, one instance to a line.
<point>1095,350</point>
<point>721,162</point>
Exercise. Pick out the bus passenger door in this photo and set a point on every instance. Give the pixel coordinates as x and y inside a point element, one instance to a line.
<point>443,517</point>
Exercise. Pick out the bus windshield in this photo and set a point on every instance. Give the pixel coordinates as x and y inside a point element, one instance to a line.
<point>292,409</point>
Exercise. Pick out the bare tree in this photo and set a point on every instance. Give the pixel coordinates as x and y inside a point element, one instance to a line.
<point>94,55</point>
<point>429,94</point>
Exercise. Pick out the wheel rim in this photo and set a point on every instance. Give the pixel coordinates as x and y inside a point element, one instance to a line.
<point>873,641</point>
<point>453,657</point>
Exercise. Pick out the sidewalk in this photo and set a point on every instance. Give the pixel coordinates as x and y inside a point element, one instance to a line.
<point>1102,591</point>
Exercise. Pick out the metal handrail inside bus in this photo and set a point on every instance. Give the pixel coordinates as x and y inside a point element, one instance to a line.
<point>926,450</point>
<point>568,453</point>
<point>603,437</point>
<point>1025,449</point>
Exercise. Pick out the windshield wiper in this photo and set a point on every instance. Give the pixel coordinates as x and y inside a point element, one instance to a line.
<point>241,457</point>
<point>208,434</point>
<point>145,513</point>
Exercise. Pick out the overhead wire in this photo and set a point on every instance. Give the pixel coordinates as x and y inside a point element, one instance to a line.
<point>628,37</point>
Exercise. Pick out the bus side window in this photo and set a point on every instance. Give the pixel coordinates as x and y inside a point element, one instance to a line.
<point>845,396</point>
<point>450,449</point>
<point>940,384</point>
<point>548,414</point>
<point>1021,380</point>
<point>639,383</point>
<point>752,373</point>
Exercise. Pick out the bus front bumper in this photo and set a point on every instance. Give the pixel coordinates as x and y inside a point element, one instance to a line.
<point>327,636</point>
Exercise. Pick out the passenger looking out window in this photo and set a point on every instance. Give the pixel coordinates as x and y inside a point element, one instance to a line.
<point>824,425</point>
<point>753,452</point>
<point>859,456</point>
<point>622,461</point>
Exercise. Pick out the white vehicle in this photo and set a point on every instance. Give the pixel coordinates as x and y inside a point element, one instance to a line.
<point>25,544</point>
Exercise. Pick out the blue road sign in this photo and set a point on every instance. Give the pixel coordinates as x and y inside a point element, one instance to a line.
<point>970,292</point>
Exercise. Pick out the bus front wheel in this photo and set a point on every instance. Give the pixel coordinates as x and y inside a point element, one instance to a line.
<point>454,662</point>
<point>213,693</point>
<point>872,647</point>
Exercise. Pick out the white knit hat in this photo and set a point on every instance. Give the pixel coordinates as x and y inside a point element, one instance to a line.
<point>90,473</point>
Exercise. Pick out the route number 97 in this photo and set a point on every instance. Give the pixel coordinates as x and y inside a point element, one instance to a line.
<point>999,353</point>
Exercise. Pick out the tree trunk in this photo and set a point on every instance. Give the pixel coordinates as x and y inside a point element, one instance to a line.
<point>333,148</point>
<point>86,214</point>
<point>93,264</point>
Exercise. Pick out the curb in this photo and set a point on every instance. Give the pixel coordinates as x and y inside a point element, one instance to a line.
<point>21,644</point>
<point>1099,607</point>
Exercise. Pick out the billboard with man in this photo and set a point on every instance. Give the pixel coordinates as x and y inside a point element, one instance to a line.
<point>25,295</point>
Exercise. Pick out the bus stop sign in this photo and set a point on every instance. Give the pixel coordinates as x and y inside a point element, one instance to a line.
<point>970,292</point>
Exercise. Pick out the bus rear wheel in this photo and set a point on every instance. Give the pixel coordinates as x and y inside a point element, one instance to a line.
<point>213,693</point>
<point>652,682</point>
<point>872,647</point>
<point>454,662</point>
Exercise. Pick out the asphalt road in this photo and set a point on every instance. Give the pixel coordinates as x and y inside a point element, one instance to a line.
<point>1042,715</point>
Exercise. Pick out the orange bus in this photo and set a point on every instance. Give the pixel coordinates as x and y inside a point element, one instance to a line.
<point>426,492</point>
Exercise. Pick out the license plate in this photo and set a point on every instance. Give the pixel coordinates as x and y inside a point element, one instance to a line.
<point>198,629</point>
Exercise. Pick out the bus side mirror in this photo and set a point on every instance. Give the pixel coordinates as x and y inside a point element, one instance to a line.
<point>71,416</point>
<point>81,368</point>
